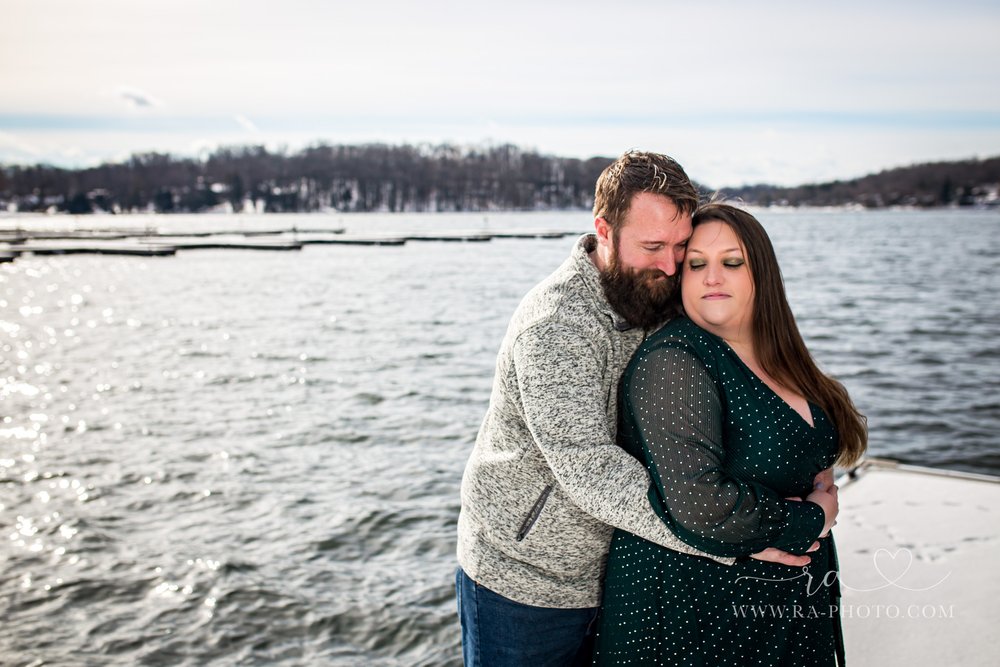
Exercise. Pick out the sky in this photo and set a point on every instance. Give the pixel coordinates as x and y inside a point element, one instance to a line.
<point>738,92</point>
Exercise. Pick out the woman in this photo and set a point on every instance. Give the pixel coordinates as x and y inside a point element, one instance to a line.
<point>733,419</point>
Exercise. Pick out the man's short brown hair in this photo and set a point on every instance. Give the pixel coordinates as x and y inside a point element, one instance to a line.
<point>635,172</point>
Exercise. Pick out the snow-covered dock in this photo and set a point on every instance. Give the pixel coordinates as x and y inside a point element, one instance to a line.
<point>354,240</point>
<point>147,234</point>
<point>150,242</point>
<point>919,573</point>
<point>226,244</point>
<point>89,247</point>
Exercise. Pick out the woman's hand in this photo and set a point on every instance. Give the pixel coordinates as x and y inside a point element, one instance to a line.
<point>823,480</point>
<point>830,509</point>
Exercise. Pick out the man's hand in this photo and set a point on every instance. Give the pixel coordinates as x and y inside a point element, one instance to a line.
<point>773,555</point>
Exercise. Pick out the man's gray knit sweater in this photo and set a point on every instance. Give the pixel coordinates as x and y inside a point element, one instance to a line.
<point>546,484</point>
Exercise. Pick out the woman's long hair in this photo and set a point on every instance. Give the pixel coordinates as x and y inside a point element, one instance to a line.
<point>777,342</point>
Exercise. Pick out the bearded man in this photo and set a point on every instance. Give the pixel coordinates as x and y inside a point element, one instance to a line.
<point>546,484</point>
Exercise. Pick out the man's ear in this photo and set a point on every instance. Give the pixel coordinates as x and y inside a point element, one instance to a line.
<point>603,231</point>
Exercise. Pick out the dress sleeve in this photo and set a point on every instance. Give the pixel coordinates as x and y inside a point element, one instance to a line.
<point>672,406</point>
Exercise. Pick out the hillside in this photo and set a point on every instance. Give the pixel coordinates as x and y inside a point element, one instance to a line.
<point>964,183</point>
<point>378,177</point>
<point>371,177</point>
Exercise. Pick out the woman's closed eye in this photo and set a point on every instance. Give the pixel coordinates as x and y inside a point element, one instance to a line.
<point>729,263</point>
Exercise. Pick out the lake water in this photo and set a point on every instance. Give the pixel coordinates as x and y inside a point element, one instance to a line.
<point>253,458</point>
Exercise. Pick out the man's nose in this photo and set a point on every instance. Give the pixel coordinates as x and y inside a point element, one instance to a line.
<point>669,263</point>
<point>668,266</point>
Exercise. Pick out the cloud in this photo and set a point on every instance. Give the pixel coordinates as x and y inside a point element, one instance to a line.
<point>246,123</point>
<point>136,98</point>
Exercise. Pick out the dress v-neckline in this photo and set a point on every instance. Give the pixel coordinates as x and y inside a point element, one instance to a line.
<point>809,404</point>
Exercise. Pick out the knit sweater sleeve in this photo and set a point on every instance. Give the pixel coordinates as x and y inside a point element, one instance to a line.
<point>559,374</point>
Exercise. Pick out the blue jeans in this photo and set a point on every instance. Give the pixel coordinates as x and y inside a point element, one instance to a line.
<point>497,632</point>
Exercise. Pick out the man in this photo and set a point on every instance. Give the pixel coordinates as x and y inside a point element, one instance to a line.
<point>546,484</point>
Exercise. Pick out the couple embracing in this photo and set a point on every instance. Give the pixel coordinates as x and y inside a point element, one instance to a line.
<point>652,483</point>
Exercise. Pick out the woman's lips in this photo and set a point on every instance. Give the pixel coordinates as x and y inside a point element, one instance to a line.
<point>714,296</point>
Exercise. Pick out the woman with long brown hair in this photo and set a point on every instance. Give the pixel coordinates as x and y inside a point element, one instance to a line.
<point>734,419</point>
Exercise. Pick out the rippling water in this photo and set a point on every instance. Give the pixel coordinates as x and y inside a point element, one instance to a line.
<point>237,457</point>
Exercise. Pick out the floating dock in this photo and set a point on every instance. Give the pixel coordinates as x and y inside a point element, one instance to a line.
<point>68,248</point>
<point>354,240</point>
<point>533,235</point>
<point>186,244</point>
<point>918,552</point>
<point>25,235</point>
<point>151,242</point>
<point>474,236</point>
<point>454,237</point>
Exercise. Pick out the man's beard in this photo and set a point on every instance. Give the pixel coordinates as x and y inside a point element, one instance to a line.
<point>645,297</point>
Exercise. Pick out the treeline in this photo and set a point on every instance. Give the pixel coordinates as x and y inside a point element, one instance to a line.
<point>372,177</point>
<point>964,183</point>
<point>378,177</point>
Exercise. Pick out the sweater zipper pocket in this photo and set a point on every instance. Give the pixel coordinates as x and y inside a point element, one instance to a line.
<point>536,509</point>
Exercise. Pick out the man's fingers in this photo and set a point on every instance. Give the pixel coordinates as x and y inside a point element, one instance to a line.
<point>773,555</point>
<point>814,547</point>
<point>794,561</point>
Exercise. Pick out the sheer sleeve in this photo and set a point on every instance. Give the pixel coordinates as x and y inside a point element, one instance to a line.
<point>672,406</point>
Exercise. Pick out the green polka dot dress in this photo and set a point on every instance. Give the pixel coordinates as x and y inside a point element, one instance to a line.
<point>724,451</point>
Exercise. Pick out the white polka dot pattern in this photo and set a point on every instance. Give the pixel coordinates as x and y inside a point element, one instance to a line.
<point>724,451</point>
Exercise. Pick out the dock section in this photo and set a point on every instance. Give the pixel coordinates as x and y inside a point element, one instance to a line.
<point>918,552</point>
<point>92,248</point>
<point>187,243</point>
<point>17,236</point>
<point>153,242</point>
<point>451,237</point>
<point>356,240</point>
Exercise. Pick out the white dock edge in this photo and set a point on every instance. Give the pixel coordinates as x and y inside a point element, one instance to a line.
<point>920,566</point>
